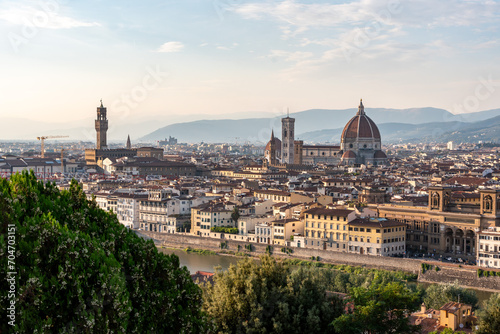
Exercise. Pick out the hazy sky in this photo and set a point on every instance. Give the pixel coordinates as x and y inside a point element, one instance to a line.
<point>59,58</point>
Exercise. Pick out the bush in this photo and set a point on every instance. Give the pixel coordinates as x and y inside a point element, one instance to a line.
<point>80,270</point>
<point>228,230</point>
<point>267,297</point>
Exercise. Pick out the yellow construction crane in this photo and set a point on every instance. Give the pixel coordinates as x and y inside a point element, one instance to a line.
<point>42,139</point>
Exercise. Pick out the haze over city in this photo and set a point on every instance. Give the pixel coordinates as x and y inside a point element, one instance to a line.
<point>185,60</point>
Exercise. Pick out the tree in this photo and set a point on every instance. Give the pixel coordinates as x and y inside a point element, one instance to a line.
<point>235,215</point>
<point>186,226</point>
<point>268,298</point>
<point>379,309</point>
<point>447,331</point>
<point>489,316</point>
<point>437,295</point>
<point>80,270</point>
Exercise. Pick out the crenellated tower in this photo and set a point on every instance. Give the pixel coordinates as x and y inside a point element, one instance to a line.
<point>101,127</point>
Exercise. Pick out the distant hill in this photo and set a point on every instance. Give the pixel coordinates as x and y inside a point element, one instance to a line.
<point>487,130</point>
<point>322,125</point>
<point>459,132</point>
<point>258,129</point>
<point>391,132</point>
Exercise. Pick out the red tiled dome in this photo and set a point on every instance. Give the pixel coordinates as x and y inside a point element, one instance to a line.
<point>380,155</point>
<point>277,144</point>
<point>349,155</point>
<point>360,126</point>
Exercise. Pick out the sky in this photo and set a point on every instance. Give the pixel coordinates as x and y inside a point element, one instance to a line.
<point>148,58</point>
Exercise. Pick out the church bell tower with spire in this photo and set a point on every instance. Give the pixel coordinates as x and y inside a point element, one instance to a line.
<point>287,139</point>
<point>101,127</point>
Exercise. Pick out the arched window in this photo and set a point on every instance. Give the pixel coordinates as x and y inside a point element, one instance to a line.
<point>488,203</point>
<point>435,200</point>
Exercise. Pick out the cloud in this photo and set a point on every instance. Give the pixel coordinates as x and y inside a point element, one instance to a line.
<point>414,13</point>
<point>48,17</point>
<point>171,47</point>
<point>227,48</point>
<point>290,56</point>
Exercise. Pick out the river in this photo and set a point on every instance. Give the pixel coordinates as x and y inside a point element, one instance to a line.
<point>199,262</point>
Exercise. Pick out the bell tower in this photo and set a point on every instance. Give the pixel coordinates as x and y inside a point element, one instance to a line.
<point>101,127</point>
<point>439,198</point>
<point>272,151</point>
<point>287,139</point>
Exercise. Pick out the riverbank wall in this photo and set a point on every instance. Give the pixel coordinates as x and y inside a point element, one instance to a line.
<point>447,273</point>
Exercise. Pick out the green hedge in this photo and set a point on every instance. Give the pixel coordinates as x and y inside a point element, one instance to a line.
<point>220,229</point>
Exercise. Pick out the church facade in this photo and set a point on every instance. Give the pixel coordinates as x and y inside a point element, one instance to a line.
<point>360,143</point>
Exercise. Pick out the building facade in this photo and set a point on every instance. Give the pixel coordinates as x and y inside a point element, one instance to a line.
<point>488,254</point>
<point>377,236</point>
<point>447,226</point>
<point>327,229</point>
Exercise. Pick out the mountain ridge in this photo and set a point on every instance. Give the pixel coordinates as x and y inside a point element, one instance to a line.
<point>306,122</point>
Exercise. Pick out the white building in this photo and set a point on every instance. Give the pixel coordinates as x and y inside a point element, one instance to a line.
<point>264,233</point>
<point>127,208</point>
<point>488,248</point>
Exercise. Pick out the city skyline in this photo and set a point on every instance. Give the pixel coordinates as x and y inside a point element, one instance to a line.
<point>212,58</point>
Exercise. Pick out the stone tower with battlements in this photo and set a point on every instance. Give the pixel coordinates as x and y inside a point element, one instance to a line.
<point>101,127</point>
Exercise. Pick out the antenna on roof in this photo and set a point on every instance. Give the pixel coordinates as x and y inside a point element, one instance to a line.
<point>287,112</point>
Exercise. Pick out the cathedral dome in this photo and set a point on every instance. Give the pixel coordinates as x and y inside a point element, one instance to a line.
<point>380,155</point>
<point>360,126</point>
<point>277,143</point>
<point>349,155</point>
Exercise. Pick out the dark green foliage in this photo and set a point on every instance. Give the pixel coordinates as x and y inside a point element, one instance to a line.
<point>186,226</point>
<point>343,277</point>
<point>221,229</point>
<point>223,245</point>
<point>437,269</point>
<point>269,298</point>
<point>249,247</point>
<point>447,331</point>
<point>235,215</point>
<point>79,270</point>
<point>437,295</point>
<point>489,316</point>
<point>487,273</point>
<point>379,309</point>
<point>425,267</point>
<point>200,251</point>
<point>269,249</point>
